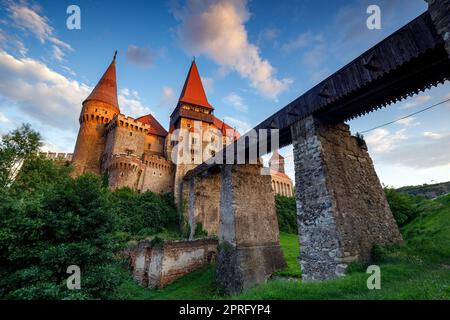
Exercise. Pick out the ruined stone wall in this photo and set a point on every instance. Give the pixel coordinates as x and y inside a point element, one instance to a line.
<point>249,250</point>
<point>158,175</point>
<point>342,211</point>
<point>156,265</point>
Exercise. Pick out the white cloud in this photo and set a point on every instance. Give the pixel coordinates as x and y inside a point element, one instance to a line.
<point>28,19</point>
<point>302,40</point>
<point>40,92</point>
<point>139,56</point>
<point>382,140</point>
<point>415,102</point>
<point>125,92</point>
<point>3,118</point>
<point>217,29</point>
<point>208,84</point>
<point>236,102</point>
<point>408,122</point>
<point>240,125</point>
<point>131,104</point>
<point>57,53</point>
<point>433,135</point>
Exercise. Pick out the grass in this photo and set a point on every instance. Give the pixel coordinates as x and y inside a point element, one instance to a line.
<point>290,245</point>
<point>420,269</point>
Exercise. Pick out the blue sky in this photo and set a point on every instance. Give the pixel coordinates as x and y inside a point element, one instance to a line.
<point>254,58</point>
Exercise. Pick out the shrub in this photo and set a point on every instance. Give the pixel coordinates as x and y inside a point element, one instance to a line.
<point>46,229</point>
<point>142,214</point>
<point>403,206</point>
<point>287,214</point>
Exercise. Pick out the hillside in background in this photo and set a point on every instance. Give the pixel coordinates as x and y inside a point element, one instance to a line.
<point>429,191</point>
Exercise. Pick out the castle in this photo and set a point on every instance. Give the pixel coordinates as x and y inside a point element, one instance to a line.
<point>140,154</point>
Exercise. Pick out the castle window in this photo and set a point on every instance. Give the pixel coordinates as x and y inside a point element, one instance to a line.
<point>131,133</point>
<point>213,153</point>
<point>160,174</point>
<point>149,146</point>
<point>194,140</point>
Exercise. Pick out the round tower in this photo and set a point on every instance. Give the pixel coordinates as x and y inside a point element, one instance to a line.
<point>97,111</point>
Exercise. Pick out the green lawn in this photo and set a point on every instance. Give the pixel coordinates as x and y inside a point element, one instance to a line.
<point>290,245</point>
<point>420,269</point>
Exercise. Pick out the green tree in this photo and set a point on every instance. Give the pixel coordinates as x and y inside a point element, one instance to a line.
<point>15,148</point>
<point>403,206</point>
<point>286,213</point>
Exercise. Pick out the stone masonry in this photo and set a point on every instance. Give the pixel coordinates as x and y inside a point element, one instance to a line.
<point>155,265</point>
<point>249,249</point>
<point>341,207</point>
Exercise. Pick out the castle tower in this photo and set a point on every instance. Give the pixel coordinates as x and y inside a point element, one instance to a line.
<point>276,162</point>
<point>193,113</point>
<point>98,110</point>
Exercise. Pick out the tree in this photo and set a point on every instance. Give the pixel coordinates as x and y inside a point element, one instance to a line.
<point>15,148</point>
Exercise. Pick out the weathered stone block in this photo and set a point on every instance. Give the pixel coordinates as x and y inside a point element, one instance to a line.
<point>249,250</point>
<point>341,206</point>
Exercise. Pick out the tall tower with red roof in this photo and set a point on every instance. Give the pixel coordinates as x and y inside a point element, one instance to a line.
<point>97,111</point>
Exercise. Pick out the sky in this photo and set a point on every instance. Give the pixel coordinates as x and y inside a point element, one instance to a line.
<point>254,58</point>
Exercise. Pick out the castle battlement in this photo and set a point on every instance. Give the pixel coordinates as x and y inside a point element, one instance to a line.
<point>56,156</point>
<point>158,162</point>
<point>125,162</point>
<point>129,123</point>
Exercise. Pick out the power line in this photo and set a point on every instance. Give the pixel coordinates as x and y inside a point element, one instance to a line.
<point>405,117</point>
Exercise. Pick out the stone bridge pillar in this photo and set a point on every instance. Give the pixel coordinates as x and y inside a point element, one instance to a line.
<point>249,249</point>
<point>342,211</point>
<point>440,14</point>
<point>201,198</point>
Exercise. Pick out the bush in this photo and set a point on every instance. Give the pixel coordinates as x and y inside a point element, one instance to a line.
<point>287,214</point>
<point>403,206</point>
<point>47,228</point>
<point>142,214</point>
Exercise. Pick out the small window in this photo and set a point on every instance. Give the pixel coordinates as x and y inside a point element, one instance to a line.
<point>149,146</point>
<point>131,133</point>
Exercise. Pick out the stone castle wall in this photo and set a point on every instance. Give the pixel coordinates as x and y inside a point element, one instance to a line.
<point>124,171</point>
<point>158,175</point>
<point>156,265</point>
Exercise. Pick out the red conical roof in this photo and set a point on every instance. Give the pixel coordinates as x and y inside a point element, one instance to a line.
<point>155,126</point>
<point>106,89</point>
<point>193,92</point>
